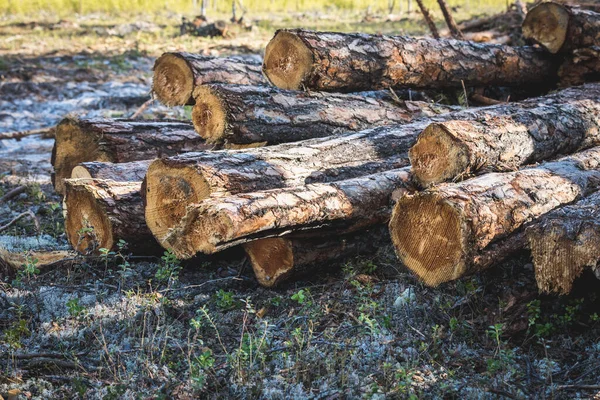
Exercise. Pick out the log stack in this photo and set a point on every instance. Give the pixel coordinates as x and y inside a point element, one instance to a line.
<point>323,175</point>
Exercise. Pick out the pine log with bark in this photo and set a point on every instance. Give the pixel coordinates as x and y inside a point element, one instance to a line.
<point>243,114</point>
<point>118,141</point>
<point>176,75</point>
<point>560,28</point>
<point>564,242</point>
<point>583,65</point>
<point>276,260</point>
<point>453,149</point>
<point>174,182</point>
<point>299,58</point>
<point>346,206</point>
<point>134,171</point>
<point>440,233</point>
<point>99,213</point>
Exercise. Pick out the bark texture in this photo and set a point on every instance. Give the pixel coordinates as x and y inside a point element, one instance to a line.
<point>134,171</point>
<point>276,260</point>
<point>439,233</point>
<point>176,75</point>
<point>346,206</point>
<point>565,242</point>
<point>118,141</point>
<point>99,213</point>
<point>583,65</point>
<point>428,19</point>
<point>453,149</point>
<point>561,28</point>
<point>242,114</point>
<point>353,62</point>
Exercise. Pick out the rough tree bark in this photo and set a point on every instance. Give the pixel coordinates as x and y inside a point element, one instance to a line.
<point>174,182</point>
<point>99,213</point>
<point>352,62</point>
<point>276,260</point>
<point>134,171</point>
<point>583,65</point>
<point>560,28</point>
<point>176,75</point>
<point>346,206</point>
<point>243,114</point>
<point>97,139</point>
<point>454,149</point>
<point>454,30</point>
<point>440,233</point>
<point>565,242</point>
<point>428,19</point>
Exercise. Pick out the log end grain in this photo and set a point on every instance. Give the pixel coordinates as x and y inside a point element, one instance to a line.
<point>429,236</point>
<point>173,80</point>
<point>168,191</point>
<point>209,114</point>
<point>437,156</point>
<point>547,25</point>
<point>87,225</point>
<point>272,259</point>
<point>288,61</point>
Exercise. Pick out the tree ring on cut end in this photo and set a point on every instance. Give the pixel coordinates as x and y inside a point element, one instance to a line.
<point>287,61</point>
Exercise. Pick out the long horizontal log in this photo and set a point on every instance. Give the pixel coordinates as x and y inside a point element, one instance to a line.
<point>583,65</point>
<point>438,233</point>
<point>99,213</point>
<point>173,183</point>
<point>244,114</point>
<point>564,242</point>
<point>134,171</point>
<point>118,141</point>
<point>560,28</point>
<point>176,75</point>
<point>276,260</point>
<point>342,62</point>
<point>347,206</point>
<point>453,149</point>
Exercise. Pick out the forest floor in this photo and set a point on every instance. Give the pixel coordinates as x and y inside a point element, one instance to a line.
<point>124,327</point>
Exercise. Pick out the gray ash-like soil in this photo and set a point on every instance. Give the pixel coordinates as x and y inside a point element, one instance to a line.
<point>125,327</point>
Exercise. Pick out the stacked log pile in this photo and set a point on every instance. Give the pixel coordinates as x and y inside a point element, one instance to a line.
<point>321,175</point>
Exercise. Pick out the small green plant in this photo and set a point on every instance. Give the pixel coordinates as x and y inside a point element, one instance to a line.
<point>495,332</point>
<point>14,335</point>
<point>28,271</point>
<point>225,300</point>
<point>169,268</point>
<point>74,308</point>
<point>199,365</point>
<point>301,296</point>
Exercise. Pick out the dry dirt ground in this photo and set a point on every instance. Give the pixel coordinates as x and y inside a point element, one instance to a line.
<point>124,327</point>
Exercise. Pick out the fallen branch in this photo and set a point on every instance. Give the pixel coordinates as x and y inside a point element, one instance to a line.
<point>20,216</point>
<point>13,193</point>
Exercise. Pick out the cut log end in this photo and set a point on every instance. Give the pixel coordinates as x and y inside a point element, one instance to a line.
<point>72,147</point>
<point>80,172</point>
<point>287,61</point>
<point>272,259</point>
<point>209,114</point>
<point>547,25</point>
<point>87,225</point>
<point>168,191</point>
<point>437,156</point>
<point>173,80</point>
<point>427,233</point>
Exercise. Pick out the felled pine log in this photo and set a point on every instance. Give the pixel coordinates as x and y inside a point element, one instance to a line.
<point>444,233</point>
<point>278,259</point>
<point>344,206</point>
<point>98,139</point>
<point>564,242</point>
<point>560,28</point>
<point>173,183</point>
<point>453,149</point>
<point>134,171</point>
<point>298,58</point>
<point>582,65</point>
<point>176,75</point>
<point>244,114</point>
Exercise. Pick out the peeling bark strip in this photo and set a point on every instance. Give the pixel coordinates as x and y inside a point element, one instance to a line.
<point>565,242</point>
<point>346,206</point>
<point>259,114</point>
<point>98,213</point>
<point>176,75</point>
<point>175,182</point>
<point>276,260</point>
<point>118,141</point>
<point>453,149</point>
<point>562,28</point>
<point>440,233</point>
<point>583,65</point>
<point>134,171</point>
<point>298,58</point>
